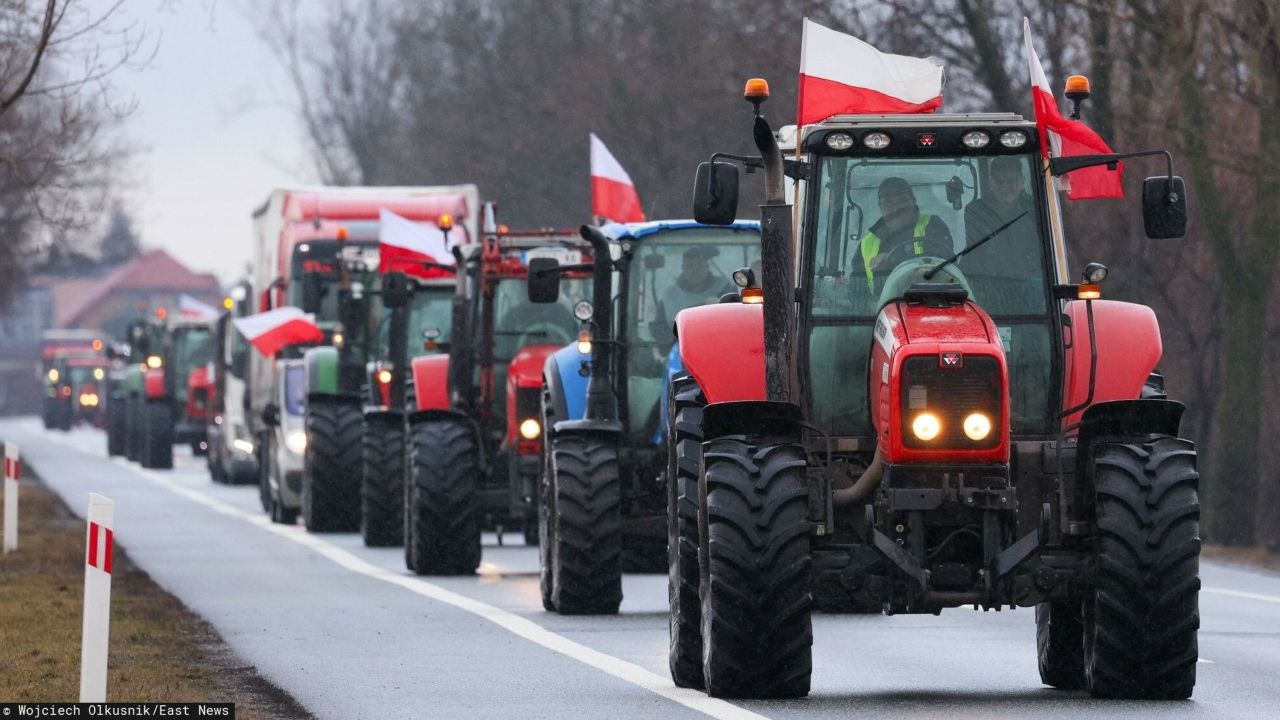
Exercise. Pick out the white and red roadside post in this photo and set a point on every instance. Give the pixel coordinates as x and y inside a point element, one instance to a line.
<point>97,599</point>
<point>12,470</point>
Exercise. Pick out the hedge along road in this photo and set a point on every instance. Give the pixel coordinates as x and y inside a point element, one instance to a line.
<point>349,633</point>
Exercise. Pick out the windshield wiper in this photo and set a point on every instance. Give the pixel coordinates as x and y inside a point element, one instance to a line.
<point>970,248</point>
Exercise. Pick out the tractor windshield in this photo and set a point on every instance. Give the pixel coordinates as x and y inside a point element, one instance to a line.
<point>673,270</point>
<point>872,215</point>
<point>430,309</point>
<point>192,347</point>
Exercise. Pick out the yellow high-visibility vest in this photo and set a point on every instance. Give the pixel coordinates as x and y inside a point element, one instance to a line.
<point>871,247</point>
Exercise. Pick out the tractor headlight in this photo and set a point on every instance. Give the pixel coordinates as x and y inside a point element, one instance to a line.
<point>154,361</point>
<point>1013,138</point>
<point>975,139</point>
<point>926,426</point>
<point>384,376</point>
<point>530,429</point>
<point>296,441</point>
<point>876,140</point>
<point>98,374</point>
<point>839,141</point>
<point>584,341</point>
<point>977,426</point>
<point>53,375</point>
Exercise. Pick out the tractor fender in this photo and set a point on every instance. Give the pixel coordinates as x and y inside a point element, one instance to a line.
<point>431,382</point>
<point>675,366</point>
<point>153,384</point>
<point>320,368</point>
<point>757,418</point>
<point>722,346</point>
<point>567,383</point>
<point>524,392</point>
<point>1129,348</point>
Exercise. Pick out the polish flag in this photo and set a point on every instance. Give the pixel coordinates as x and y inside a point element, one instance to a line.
<point>842,75</point>
<point>273,330</point>
<point>404,245</point>
<point>190,307</point>
<point>1066,137</point>
<point>613,195</point>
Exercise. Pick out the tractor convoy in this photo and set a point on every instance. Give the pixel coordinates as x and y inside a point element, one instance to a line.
<point>892,393</point>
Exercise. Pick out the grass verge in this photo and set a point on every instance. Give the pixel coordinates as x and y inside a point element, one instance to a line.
<point>159,650</point>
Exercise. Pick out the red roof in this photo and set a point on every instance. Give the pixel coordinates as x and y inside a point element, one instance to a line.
<point>155,271</point>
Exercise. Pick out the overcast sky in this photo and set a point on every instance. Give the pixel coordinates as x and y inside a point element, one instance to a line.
<point>214,127</point>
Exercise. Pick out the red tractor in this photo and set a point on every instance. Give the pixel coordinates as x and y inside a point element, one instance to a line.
<point>926,413</point>
<point>475,433</point>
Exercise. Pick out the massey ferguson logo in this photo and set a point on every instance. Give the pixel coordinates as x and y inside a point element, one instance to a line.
<point>952,360</point>
<point>926,140</point>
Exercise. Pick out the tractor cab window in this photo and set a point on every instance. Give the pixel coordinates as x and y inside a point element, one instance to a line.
<point>673,270</point>
<point>192,348</point>
<point>877,218</point>
<point>430,307</point>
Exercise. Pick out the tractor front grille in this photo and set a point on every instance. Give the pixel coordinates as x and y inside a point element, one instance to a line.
<point>951,394</point>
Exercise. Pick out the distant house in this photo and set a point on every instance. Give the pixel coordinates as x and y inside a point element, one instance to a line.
<point>108,303</point>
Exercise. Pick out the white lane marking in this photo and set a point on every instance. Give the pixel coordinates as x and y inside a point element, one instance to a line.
<point>1241,594</point>
<point>522,627</point>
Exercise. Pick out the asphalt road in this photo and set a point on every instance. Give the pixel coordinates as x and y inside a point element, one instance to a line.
<point>351,634</point>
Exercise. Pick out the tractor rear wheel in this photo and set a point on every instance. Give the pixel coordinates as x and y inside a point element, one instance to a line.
<point>546,505</point>
<point>331,466</point>
<point>1140,623</point>
<point>382,487</point>
<point>586,528</point>
<point>157,434</point>
<point>115,427</point>
<point>757,632</point>
<point>443,525</point>
<point>133,429</point>
<point>684,456</point>
<point>1060,644</point>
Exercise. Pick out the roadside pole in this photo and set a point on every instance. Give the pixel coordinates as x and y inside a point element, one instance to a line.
<point>12,470</point>
<point>97,599</point>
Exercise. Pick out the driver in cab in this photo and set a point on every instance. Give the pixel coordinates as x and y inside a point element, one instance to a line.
<point>902,232</point>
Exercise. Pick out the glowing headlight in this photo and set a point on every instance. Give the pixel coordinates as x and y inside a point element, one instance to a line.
<point>98,374</point>
<point>384,376</point>
<point>53,374</point>
<point>337,339</point>
<point>530,429</point>
<point>296,441</point>
<point>926,426</point>
<point>89,400</point>
<point>243,446</point>
<point>977,426</point>
<point>584,342</point>
<point>154,361</point>
<point>1013,138</point>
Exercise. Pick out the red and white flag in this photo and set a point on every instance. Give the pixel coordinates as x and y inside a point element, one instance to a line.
<point>842,75</point>
<point>613,195</point>
<point>404,245</point>
<point>273,330</point>
<point>1066,137</point>
<point>190,307</point>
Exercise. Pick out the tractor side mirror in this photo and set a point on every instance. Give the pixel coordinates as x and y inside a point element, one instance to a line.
<point>1164,207</point>
<point>395,290</point>
<point>271,415</point>
<point>715,193</point>
<point>544,280</point>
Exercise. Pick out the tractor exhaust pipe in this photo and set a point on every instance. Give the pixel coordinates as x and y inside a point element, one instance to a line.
<point>862,487</point>
<point>775,263</point>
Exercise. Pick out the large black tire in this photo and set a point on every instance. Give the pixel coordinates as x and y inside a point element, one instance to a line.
<point>115,427</point>
<point>443,531</point>
<point>157,435</point>
<point>1142,619</point>
<point>133,429</point>
<point>262,453</point>
<point>684,457</point>
<point>757,632</point>
<point>586,529</point>
<point>269,468</point>
<point>383,480</point>
<point>331,466</point>
<point>546,505</point>
<point>1060,644</point>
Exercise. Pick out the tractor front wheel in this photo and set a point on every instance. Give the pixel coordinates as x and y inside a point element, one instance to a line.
<point>443,524</point>
<point>382,486</point>
<point>684,456</point>
<point>157,435</point>
<point>757,632</point>
<point>1060,644</point>
<point>586,527</point>
<point>331,466</point>
<point>1140,624</point>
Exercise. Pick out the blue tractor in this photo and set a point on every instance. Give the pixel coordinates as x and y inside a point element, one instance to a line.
<point>603,491</point>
